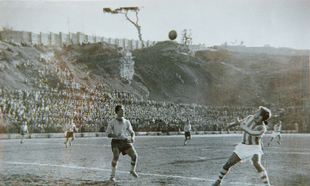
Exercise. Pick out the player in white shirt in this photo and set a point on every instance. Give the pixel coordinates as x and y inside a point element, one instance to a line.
<point>187,131</point>
<point>254,128</point>
<point>70,133</point>
<point>23,131</point>
<point>123,136</point>
<point>276,133</point>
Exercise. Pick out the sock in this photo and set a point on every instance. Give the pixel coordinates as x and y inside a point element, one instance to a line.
<point>133,166</point>
<point>223,172</point>
<point>113,171</point>
<point>264,177</point>
<point>114,164</point>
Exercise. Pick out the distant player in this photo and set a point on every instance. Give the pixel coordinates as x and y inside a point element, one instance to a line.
<point>121,142</point>
<point>187,131</point>
<point>254,127</point>
<point>23,131</point>
<point>70,134</point>
<point>276,133</point>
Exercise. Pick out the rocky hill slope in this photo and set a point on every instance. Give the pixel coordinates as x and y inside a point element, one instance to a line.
<point>164,72</point>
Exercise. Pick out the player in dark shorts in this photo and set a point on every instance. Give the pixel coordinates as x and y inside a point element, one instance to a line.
<point>70,134</point>
<point>121,142</point>
<point>187,131</point>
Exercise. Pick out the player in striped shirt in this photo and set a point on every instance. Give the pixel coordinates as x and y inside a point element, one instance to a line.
<point>276,133</point>
<point>118,130</point>
<point>254,128</point>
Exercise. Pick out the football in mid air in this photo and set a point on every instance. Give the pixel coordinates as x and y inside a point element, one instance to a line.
<point>172,35</point>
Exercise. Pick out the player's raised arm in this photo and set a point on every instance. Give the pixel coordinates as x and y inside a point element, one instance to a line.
<point>232,124</point>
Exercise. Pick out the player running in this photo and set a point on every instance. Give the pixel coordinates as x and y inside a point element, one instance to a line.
<point>24,131</point>
<point>70,134</point>
<point>276,133</point>
<point>121,142</point>
<point>187,131</point>
<point>254,127</point>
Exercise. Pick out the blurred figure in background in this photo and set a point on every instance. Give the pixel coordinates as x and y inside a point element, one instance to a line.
<point>276,133</point>
<point>187,131</point>
<point>70,133</point>
<point>24,131</point>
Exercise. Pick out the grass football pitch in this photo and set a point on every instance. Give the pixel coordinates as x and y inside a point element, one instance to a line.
<point>163,160</point>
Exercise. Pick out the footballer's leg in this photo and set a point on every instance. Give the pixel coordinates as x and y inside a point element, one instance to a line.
<point>114,162</point>
<point>234,158</point>
<point>256,159</point>
<point>134,159</point>
<point>66,135</point>
<point>187,137</point>
<point>279,141</point>
<point>270,141</point>
<point>66,142</point>
<point>23,137</point>
<point>72,138</point>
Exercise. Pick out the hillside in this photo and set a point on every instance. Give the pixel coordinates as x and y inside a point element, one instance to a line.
<point>164,72</point>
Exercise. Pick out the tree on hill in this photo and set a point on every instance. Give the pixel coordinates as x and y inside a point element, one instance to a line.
<point>125,10</point>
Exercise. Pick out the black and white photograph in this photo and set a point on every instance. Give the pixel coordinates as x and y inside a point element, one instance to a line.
<point>155,92</point>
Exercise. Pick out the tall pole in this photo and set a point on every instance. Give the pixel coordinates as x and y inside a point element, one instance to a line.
<point>307,114</point>
<point>305,92</point>
<point>68,25</point>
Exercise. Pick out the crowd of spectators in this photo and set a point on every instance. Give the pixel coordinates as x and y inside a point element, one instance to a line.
<point>91,109</point>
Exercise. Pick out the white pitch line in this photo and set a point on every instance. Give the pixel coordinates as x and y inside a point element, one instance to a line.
<point>290,153</point>
<point>73,144</point>
<point>124,172</point>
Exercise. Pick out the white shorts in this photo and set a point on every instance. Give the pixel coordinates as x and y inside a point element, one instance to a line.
<point>275,134</point>
<point>246,152</point>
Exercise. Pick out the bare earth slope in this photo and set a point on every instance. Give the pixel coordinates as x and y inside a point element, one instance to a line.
<point>163,72</point>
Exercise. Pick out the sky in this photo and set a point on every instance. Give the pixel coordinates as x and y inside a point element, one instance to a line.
<point>256,23</point>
